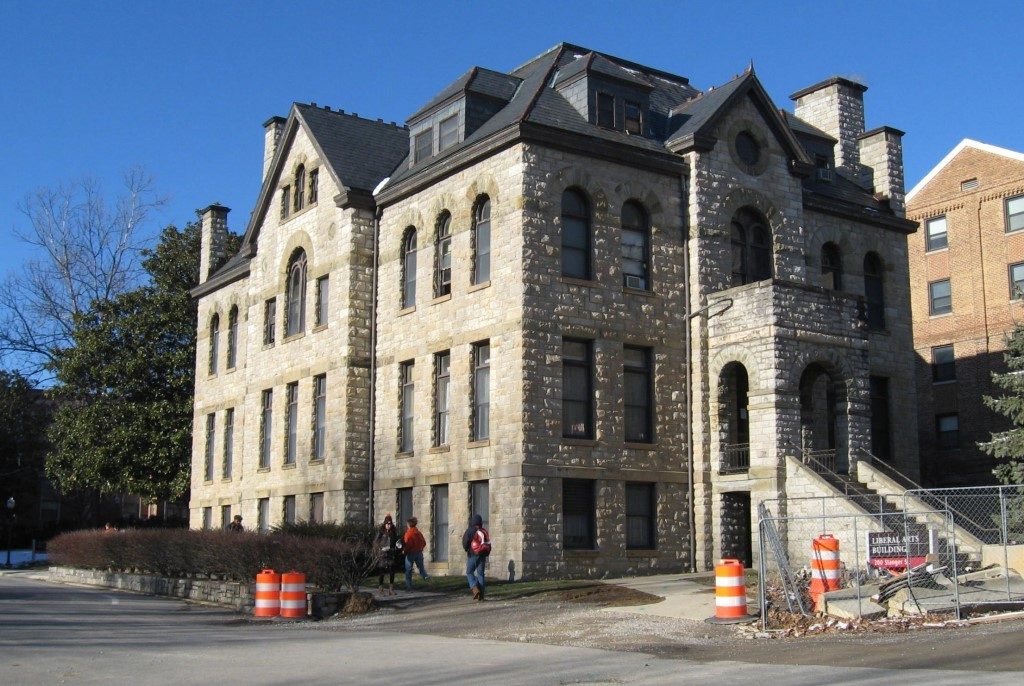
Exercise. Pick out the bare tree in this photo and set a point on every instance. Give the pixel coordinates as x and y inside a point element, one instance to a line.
<point>88,250</point>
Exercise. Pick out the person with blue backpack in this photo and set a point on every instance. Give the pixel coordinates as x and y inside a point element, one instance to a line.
<point>477,544</point>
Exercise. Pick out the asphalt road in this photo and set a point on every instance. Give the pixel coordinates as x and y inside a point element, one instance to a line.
<point>59,634</point>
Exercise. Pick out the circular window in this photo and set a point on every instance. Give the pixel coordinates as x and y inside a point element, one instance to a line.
<point>747,148</point>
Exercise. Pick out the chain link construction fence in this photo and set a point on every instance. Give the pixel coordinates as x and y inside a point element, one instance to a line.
<point>964,549</point>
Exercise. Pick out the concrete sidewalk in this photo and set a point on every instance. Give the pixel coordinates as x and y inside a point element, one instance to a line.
<point>686,596</point>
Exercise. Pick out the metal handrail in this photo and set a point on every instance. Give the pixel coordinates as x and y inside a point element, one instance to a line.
<point>899,477</point>
<point>807,457</point>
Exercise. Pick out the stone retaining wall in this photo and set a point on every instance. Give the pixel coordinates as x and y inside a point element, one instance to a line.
<point>227,593</point>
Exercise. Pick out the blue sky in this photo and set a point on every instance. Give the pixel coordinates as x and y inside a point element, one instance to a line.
<point>182,88</point>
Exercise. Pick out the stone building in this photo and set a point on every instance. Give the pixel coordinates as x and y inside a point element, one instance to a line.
<point>606,311</point>
<point>967,274</point>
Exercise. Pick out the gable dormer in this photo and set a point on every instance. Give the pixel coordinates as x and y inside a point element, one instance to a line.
<point>606,94</point>
<point>456,112</point>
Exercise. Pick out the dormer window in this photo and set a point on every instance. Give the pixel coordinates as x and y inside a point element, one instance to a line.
<point>824,167</point>
<point>448,133</point>
<point>606,110</point>
<point>633,119</point>
<point>423,145</point>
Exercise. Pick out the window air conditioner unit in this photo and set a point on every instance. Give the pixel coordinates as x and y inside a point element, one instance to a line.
<point>824,174</point>
<point>634,282</point>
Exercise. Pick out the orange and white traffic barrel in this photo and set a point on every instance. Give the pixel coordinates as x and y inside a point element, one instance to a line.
<point>730,593</point>
<point>268,594</point>
<point>293,595</point>
<point>824,565</point>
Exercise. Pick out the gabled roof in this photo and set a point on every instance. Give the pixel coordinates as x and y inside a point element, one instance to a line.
<point>965,143</point>
<point>486,82</point>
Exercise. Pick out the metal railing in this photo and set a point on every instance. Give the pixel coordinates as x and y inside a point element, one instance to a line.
<point>735,458</point>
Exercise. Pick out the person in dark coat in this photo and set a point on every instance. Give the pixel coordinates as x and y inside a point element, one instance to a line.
<point>477,544</point>
<point>389,544</point>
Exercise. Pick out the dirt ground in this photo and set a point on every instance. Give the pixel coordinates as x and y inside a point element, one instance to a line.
<point>580,617</point>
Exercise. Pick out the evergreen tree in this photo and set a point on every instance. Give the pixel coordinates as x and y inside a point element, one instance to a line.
<point>1009,445</point>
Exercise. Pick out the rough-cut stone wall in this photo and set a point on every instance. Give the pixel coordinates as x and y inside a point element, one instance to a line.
<point>229,593</point>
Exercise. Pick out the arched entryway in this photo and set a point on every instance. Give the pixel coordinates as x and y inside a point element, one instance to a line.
<point>822,425</point>
<point>733,419</point>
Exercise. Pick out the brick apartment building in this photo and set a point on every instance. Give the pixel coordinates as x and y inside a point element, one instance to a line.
<point>965,264</point>
<point>604,310</point>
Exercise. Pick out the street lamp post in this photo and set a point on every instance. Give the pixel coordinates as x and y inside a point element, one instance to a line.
<point>10,528</point>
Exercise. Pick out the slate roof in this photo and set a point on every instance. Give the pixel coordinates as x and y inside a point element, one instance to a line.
<point>488,82</point>
<point>800,126</point>
<point>691,116</point>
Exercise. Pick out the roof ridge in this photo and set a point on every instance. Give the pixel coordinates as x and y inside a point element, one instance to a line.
<point>351,115</point>
<point>528,110</point>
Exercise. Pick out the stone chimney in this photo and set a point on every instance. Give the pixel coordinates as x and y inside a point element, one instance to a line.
<point>272,130</point>
<point>881,150</point>
<point>836,106</point>
<point>213,240</point>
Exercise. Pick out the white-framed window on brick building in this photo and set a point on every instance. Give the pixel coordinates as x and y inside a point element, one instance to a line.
<point>291,422</point>
<point>214,352</point>
<point>323,295</point>
<point>442,397</point>
<point>263,515</point>
<point>211,437</point>
<point>406,410</point>
<point>481,240</point>
<point>578,514</point>
<point>943,364</point>
<point>940,297</point>
<point>295,298</point>
<point>936,235</point>
<point>288,509</point>
<point>233,337</point>
<point>439,523</point>
<point>577,389</point>
<point>640,515</point>
<point>636,246</point>
<point>409,267</point>
<point>266,426</point>
<point>319,442</point>
<point>269,321</point>
<point>443,255</point>
<point>481,391</point>
<point>448,132</point>
<point>576,238</point>
<point>229,443</point>
<point>1015,213</point>
<point>639,395</point>
<point>316,507</point>
<point>947,430</point>
<point>1017,281</point>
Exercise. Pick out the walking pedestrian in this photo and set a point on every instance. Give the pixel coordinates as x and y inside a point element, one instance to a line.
<point>389,546</point>
<point>236,524</point>
<point>414,546</point>
<point>477,544</point>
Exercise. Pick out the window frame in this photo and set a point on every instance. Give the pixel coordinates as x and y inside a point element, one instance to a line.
<point>481,371</point>
<point>316,507</point>
<point>291,423</point>
<point>228,449</point>
<point>934,310</point>
<point>943,371</point>
<point>604,104</point>
<point>930,241</point>
<point>288,509</point>
<point>299,195</point>
<point>295,294</point>
<point>210,446</point>
<point>1016,286</point>
<point>323,293</point>
<point>645,372</point>
<point>626,119</point>
<point>481,227</point>
<point>947,440</point>
<point>263,515</point>
<point>651,516</point>
<point>443,255</point>
<point>286,202</point>
<point>408,285</point>
<point>586,363</point>
<point>270,321</point>
<point>831,267</point>
<point>641,228</point>
<point>266,428</point>
<point>442,398</point>
<point>314,186</point>
<point>750,238</point>
<point>418,148</point>
<point>232,357</point>
<point>213,353</point>
<point>440,519</point>
<point>453,134</point>
<point>1010,217</point>
<point>406,406</point>
<point>584,503</point>
<point>318,444</point>
<point>583,221</point>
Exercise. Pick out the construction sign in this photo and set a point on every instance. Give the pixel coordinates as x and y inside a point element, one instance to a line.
<point>888,550</point>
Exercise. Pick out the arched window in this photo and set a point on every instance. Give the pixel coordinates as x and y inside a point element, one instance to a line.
<point>409,268</point>
<point>636,246</point>
<point>482,240</point>
<point>233,337</point>
<point>214,343</point>
<point>295,301</point>
<point>575,235</point>
<point>443,255</point>
<point>874,291</point>
<point>751,248</point>
<point>300,188</point>
<point>831,267</point>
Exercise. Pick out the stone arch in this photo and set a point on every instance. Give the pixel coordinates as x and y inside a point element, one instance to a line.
<point>483,185</point>
<point>823,384</point>
<point>436,207</point>
<point>574,177</point>
<point>747,197</point>
<point>739,354</point>
<point>832,234</point>
<point>641,193</point>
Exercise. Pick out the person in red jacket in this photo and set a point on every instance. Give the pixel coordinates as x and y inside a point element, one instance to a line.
<point>414,545</point>
<point>477,544</point>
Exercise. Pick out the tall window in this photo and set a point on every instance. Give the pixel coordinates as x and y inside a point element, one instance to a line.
<point>831,267</point>
<point>295,302</point>
<point>439,521</point>
<point>638,401</point>
<point>442,386</point>
<point>935,234</point>
<point>640,509</point>
<point>943,364</point>
<point>291,421</point>
<point>269,321</point>
<point>874,291</point>
<point>751,248</point>
<point>225,517</point>
<point>940,297</point>
<point>635,246</point>
<point>263,515</point>
<point>1017,281</point>
<point>300,188</point>
<point>575,235</point>
<point>319,447</point>
<point>480,501</point>
<point>232,337</point>
<point>229,443</point>
<point>403,508</point>
<point>314,182</point>
<point>1015,213</point>
<point>606,110</point>
<point>881,433</point>
<point>634,119</point>
<point>577,389</point>
<point>578,514</point>
<point>286,201</point>
<point>316,507</point>
<point>214,343</point>
<point>443,256</point>
<point>323,288</point>
<point>482,241</point>
<point>409,268</point>
<point>211,430</point>
<point>482,391</point>
<point>448,132</point>
<point>266,426</point>
<point>423,145</point>
<point>947,430</point>
<point>207,518</point>
<point>408,389</point>
<point>288,509</point>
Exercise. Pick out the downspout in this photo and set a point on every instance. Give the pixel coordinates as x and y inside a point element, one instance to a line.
<point>373,360</point>
<point>684,195</point>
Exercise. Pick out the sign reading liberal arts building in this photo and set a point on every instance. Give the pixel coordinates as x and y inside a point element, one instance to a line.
<point>896,551</point>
